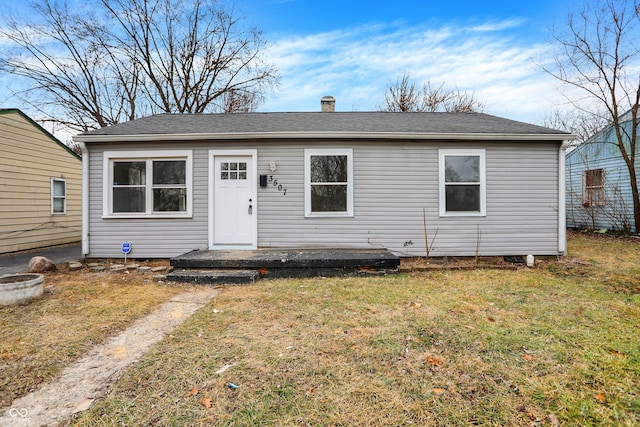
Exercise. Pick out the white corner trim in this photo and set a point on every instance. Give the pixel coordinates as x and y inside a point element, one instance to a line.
<point>562,202</point>
<point>85,200</point>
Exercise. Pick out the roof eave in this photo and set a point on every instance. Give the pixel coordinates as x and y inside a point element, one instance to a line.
<point>324,135</point>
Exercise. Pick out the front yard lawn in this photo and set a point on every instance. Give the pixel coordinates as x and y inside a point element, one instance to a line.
<point>554,345</point>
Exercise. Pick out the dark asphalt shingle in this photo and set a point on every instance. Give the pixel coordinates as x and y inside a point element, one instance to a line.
<point>346,122</point>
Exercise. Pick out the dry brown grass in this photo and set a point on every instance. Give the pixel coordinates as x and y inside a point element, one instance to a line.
<point>77,311</point>
<point>554,345</point>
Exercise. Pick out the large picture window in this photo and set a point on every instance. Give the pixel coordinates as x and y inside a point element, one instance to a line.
<point>462,182</point>
<point>329,182</point>
<point>158,185</point>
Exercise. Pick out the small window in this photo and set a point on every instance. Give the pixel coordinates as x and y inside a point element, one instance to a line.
<point>233,171</point>
<point>462,182</point>
<point>593,188</point>
<point>58,196</point>
<point>157,186</point>
<point>329,182</point>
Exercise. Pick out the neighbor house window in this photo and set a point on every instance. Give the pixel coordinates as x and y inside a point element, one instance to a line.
<point>157,185</point>
<point>329,182</point>
<point>58,196</point>
<point>593,187</point>
<point>462,182</point>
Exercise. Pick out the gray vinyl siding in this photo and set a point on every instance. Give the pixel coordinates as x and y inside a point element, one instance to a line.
<point>392,185</point>
<point>393,182</point>
<point>152,237</point>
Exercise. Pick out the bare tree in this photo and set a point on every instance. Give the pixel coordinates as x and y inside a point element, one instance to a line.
<point>113,60</point>
<point>580,123</point>
<point>597,57</point>
<point>404,96</point>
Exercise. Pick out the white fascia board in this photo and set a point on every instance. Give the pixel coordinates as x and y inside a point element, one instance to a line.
<point>323,135</point>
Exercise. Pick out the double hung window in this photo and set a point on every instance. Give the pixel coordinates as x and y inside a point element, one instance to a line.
<point>593,188</point>
<point>462,182</point>
<point>58,196</point>
<point>329,182</point>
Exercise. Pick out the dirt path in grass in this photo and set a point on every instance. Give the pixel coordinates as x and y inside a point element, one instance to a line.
<point>88,379</point>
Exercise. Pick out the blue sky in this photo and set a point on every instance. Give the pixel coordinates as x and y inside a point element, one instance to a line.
<point>354,49</point>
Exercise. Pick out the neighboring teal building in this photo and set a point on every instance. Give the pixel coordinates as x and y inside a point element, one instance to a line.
<point>598,186</point>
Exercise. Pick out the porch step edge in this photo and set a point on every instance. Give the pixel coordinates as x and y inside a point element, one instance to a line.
<point>213,276</point>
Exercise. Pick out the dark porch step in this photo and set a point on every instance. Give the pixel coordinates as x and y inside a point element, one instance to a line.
<point>213,277</point>
<point>327,259</point>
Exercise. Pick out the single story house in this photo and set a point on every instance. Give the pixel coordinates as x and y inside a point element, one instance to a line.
<point>598,183</point>
<point>469,183</point>
<point>40,182</point>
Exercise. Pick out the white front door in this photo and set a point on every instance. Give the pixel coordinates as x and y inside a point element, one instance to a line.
<point>234,202</point>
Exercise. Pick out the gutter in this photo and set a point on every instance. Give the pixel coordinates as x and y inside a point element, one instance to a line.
<point>85,200</point>
<point>320,135</point>
<point>562,201</point>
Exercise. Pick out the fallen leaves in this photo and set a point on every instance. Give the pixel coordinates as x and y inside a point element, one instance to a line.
<point>433,361</point>
<point>193,392</point>
<point>206,402</point>
<point>616,353</point>
<point>527,357</point>
<point>601,398</point>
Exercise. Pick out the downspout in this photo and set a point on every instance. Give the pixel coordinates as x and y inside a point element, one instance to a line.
<point>85,200</point>
<point>562,201</point>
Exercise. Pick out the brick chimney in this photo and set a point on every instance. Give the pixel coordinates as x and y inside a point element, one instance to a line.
<point>328,104</point>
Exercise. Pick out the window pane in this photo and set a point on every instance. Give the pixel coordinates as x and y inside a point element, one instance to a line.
<point>128,199</point>
<point>58,205</point>
<point>462,169</point>
<point>224,166</point>
<point>169,199</point>
<point>463,198</point>
<point>167,172</point>
<point>59,188</point>
<point>129,173</point>
<point>329,168</point>
<point>328,198</point>
<point>242,166</point>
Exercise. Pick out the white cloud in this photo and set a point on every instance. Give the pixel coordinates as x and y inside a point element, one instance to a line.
<point>356,65</point>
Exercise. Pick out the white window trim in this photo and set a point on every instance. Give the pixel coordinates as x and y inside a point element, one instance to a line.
<point>307,181</point>
<point>64,199</point>
<point>442,153</point>
<point>107,180</point>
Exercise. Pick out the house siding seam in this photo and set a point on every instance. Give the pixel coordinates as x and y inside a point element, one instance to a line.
<point>392,185</point>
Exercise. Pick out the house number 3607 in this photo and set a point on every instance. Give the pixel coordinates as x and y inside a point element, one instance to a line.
<point>274,182</point>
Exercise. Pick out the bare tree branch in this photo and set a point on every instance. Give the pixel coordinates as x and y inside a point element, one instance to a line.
<point>403,96</point>
<point>598,55</point>
<point>113,60</point>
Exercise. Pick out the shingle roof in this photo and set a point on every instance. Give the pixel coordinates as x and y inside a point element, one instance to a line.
<point>363,124</point>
